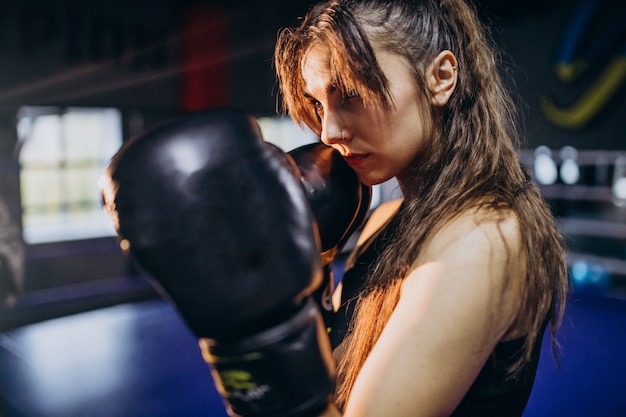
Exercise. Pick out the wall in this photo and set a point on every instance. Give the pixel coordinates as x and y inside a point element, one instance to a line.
<point>154,60</point>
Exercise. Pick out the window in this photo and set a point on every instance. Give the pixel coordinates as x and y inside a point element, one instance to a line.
<point>63,153</point>
<point>285,133</point>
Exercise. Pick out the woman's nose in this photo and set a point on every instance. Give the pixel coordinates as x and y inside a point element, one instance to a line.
<point>332,129</point>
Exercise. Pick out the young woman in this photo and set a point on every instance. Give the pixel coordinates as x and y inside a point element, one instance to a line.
<point>445,300</point>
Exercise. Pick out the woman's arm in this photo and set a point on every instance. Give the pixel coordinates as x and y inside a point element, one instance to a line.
<point>457,303</point>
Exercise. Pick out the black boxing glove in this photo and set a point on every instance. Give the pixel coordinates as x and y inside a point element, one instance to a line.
<point>219,219</point>
<point>340,203</point>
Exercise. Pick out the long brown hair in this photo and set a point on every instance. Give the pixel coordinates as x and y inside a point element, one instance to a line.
<point>471,160</point>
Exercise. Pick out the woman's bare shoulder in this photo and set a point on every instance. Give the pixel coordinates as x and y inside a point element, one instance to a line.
<point>479,229</point>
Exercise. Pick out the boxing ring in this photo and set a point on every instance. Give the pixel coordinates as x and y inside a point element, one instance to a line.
<point>137,358</point>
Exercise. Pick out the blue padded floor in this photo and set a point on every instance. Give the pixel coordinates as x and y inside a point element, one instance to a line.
<point>138,359</point>
<point>591,376</point>
<point>134,359</point>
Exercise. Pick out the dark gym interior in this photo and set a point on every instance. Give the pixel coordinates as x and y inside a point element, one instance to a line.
<point>82,330</point>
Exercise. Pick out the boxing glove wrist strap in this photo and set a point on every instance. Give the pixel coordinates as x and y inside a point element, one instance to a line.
<point>284,371</point>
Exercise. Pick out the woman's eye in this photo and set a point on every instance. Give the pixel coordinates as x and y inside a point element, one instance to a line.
<point>317,106</point>
<point>318,109</point>
<point>351,94</point>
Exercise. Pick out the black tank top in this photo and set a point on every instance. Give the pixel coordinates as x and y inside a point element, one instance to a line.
<point>492,393</point>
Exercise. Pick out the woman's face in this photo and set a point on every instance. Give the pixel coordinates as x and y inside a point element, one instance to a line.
<point>377,141</point>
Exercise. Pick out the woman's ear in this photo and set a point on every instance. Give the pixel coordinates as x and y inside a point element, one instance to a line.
<point>441,76</point>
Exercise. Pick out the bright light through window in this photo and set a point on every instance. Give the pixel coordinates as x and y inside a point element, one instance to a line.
<point>63,153</point>
<point>285,133</point>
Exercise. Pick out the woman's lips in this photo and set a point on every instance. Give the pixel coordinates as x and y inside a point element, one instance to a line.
<point>355,160</point>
